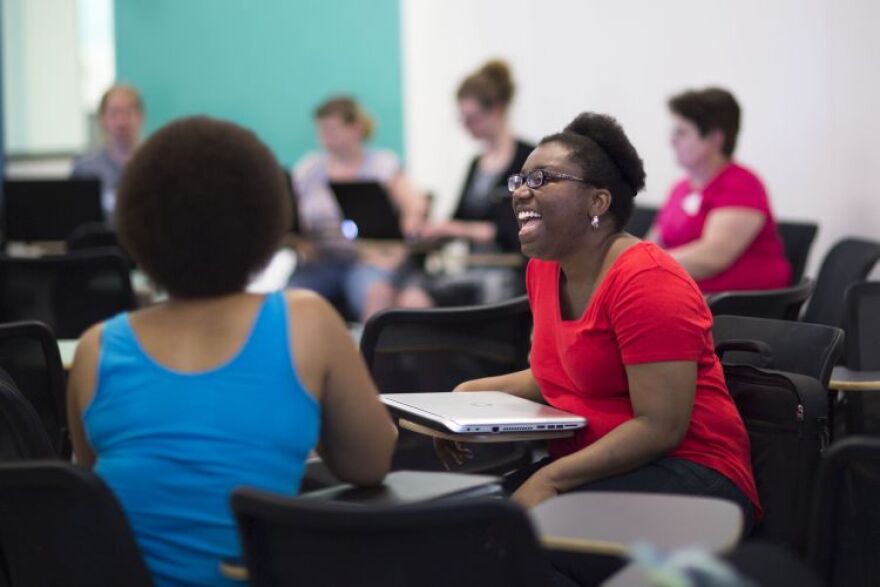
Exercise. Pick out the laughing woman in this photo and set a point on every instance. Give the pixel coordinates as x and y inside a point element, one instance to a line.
<point>622,336</point>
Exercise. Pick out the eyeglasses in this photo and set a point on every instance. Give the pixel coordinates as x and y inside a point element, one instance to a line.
<point>539,177</point>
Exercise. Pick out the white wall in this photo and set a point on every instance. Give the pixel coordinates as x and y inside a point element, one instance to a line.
<point>802,70</point>
<point>41,86</point>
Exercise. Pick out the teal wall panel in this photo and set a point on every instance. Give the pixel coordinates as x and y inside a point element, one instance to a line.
<point>263,63</point>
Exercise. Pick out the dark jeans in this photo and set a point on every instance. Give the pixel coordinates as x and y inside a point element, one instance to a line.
<point>668,475</point>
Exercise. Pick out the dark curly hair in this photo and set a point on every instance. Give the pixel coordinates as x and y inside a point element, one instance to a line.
<point>710,109</point>
<point>202,206</point>
<point>606,158</point>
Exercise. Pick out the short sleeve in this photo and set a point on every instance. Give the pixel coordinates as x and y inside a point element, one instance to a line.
<point>740,189</point>
<point>384,165</point>
<point>659,316</point>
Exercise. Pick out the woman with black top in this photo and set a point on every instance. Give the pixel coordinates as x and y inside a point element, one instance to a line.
<point>483,216</point>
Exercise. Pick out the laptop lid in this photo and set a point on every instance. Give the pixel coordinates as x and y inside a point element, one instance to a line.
<point>367,209</point>
<point>49,209</point>
<point>481,412</point>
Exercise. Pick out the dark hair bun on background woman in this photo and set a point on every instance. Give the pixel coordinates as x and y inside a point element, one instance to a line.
<point>491,85</point>
<point>607,159</point>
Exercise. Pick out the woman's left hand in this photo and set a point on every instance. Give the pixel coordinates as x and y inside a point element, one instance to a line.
<point>537,489</point>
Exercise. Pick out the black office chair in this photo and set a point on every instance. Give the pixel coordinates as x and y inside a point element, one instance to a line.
<point>29,354</point>
<point>96,235</point>
<point>797,238</point>
<point>862,326</point>
<point>796,347</point>
<point>780,304</point>
<point>434,350</point>
<point>60,525</point>
<point>641,221</point>
<point>767,564</point>
<point>68,292</point>
<point>22,436</point>
<point>438,348</point>
<point>849,261</point>
<point>479,543</point>
<point>844,537</point>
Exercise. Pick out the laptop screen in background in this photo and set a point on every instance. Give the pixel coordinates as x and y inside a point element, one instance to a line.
<point>49,209</point>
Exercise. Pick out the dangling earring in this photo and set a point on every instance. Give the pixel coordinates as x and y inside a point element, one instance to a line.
<point>595,223</point>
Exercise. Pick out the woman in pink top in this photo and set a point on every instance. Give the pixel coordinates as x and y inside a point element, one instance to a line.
<point>717,221</point>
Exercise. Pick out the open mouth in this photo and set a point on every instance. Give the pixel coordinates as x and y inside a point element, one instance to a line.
<point>527,216</point>
<point>529,220</point>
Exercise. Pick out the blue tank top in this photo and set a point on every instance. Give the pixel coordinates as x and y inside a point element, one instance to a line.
<point>173,446</point>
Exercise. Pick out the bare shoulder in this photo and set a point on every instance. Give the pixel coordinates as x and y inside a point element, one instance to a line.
<point>89,343</point>
<point>307,304</point>
<point>83,373</point>
<point>313,316</point>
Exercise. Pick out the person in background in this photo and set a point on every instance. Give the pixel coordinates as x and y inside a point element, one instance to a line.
<point>717,221</point>
<point>177,404</point>
<point>121,117</point>
<point>622,336</point>
<point>329,262</point>
<point>482,215</point>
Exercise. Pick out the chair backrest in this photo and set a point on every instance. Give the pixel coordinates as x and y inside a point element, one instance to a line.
<point>780,304</point>
<point>95,235</point>
<point>807,349</point>
<point>68,292</point>
<point>641,221</point>
<point>438,348</point>
<point>29,354</point>
<point>797,238</point>
<point>479,543</point>
<point>862,326</point>
<point>844,545</point>
<point>848,262</point>
<point>434,350</point>
<point>60,525</point>
<point>22,436</point>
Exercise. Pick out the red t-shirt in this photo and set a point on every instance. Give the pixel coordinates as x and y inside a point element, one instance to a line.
<point>763,264</point>
<point>647,309</point>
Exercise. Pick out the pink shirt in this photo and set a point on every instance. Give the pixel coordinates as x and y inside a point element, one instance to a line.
<point>763,265</point>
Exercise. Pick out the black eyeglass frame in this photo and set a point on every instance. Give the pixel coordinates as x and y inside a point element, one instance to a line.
<point>538,177</point>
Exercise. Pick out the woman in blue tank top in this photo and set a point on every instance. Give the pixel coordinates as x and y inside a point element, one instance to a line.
<point>176,405</point>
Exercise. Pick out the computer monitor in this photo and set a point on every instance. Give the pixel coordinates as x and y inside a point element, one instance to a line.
<point>49,209</point>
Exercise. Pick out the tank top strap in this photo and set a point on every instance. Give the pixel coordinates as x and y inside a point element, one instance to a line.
<point>270,339</point>
<point>117,338</point>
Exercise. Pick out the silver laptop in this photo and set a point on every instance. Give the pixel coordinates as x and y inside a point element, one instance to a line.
<point>480,412</point>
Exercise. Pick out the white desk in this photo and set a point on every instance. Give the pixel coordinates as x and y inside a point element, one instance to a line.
<point>843,379</point>
<point>608,523</point>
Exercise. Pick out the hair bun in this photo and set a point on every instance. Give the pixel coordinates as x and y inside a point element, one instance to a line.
<point>608,134</point>
<point>492,84</point>
<point>498,71</point>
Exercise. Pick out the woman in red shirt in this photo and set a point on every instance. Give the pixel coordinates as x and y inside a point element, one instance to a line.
<point>717,221</point>
<point>622,336</point>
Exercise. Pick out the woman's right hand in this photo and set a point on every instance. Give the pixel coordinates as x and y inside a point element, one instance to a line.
<point>452,453</point>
